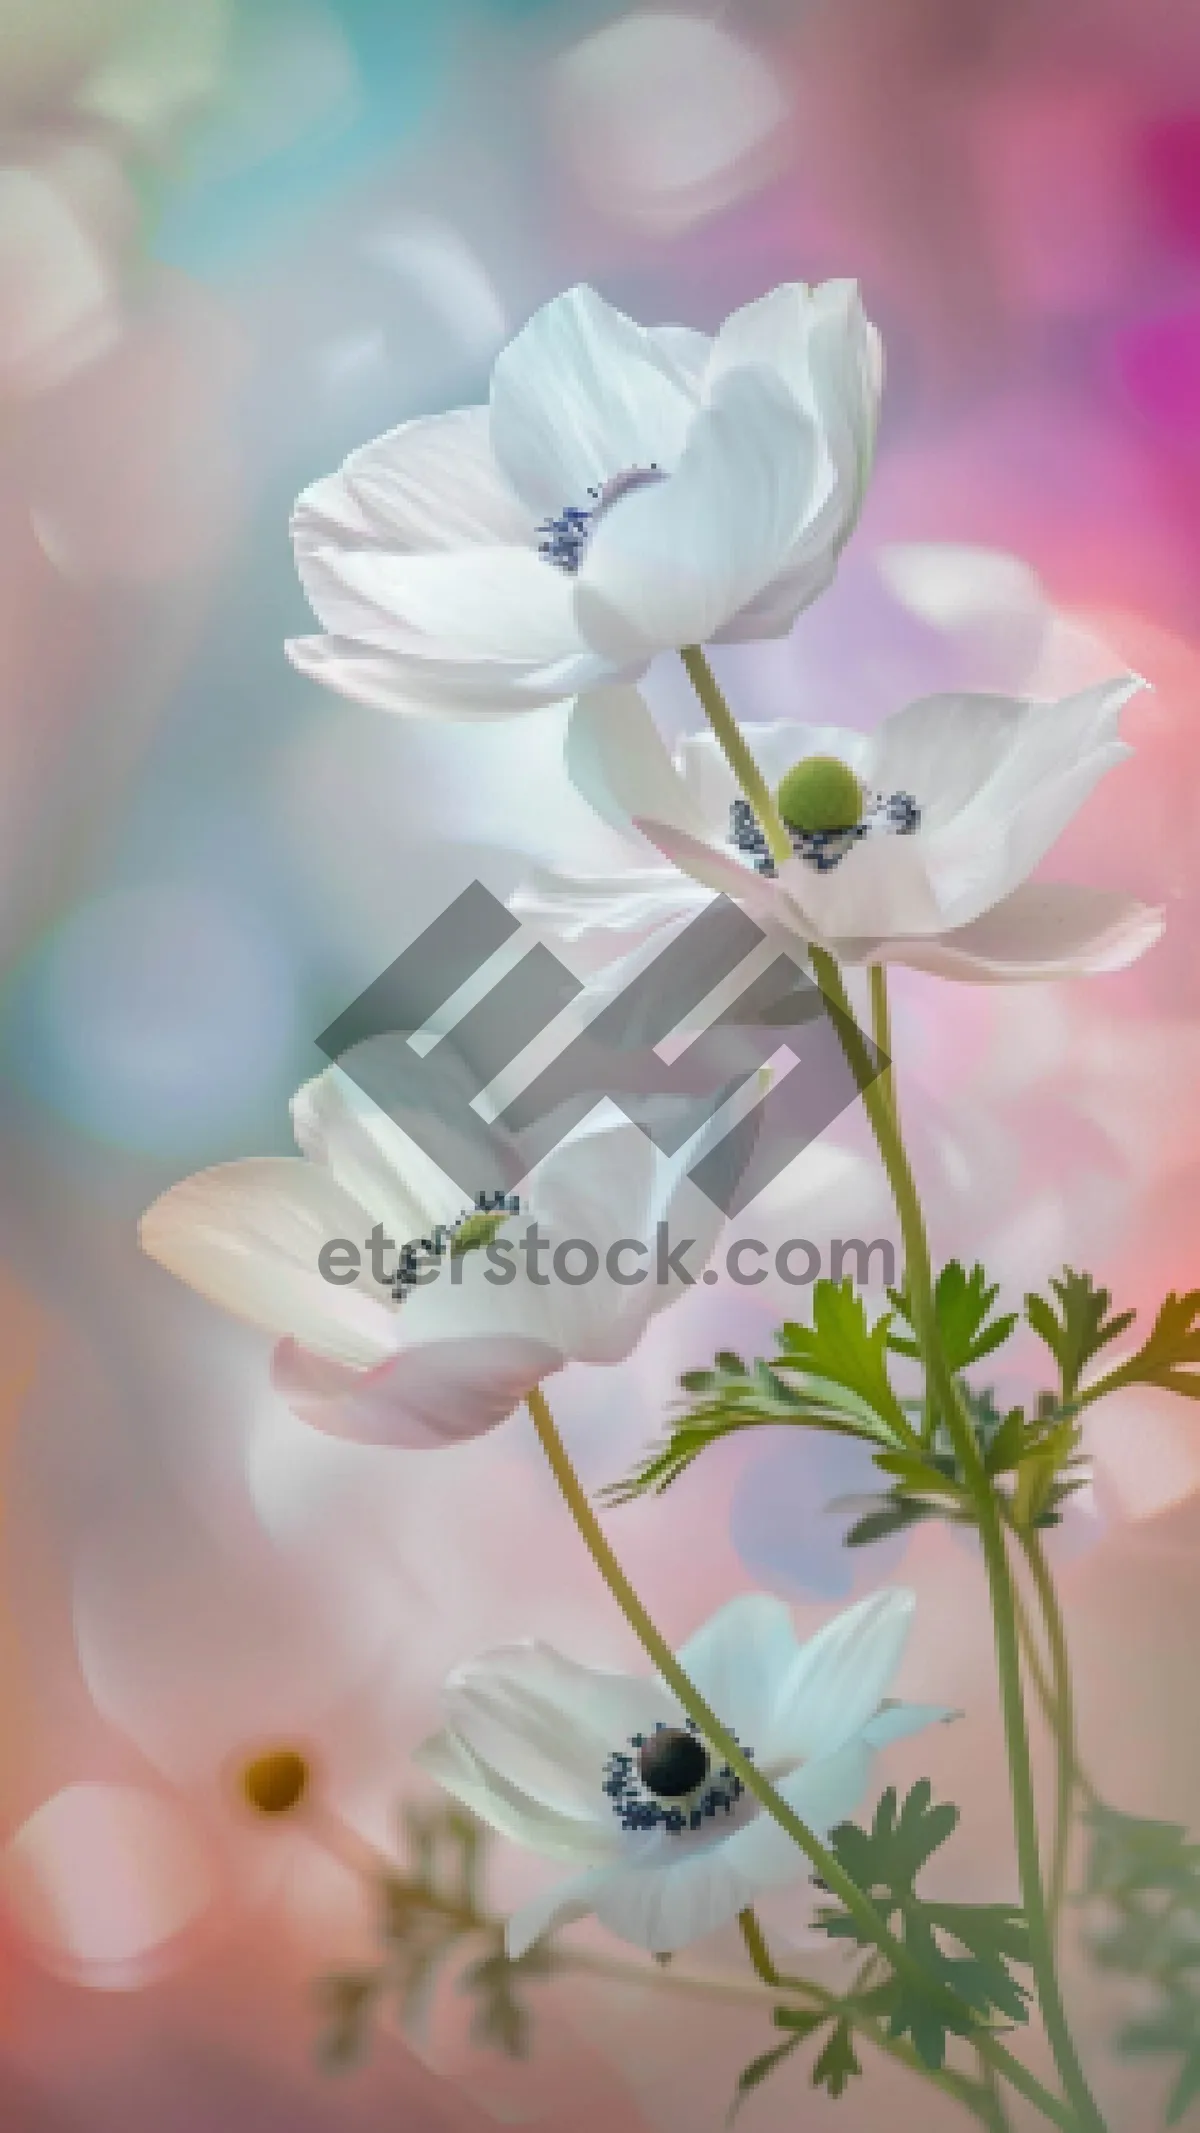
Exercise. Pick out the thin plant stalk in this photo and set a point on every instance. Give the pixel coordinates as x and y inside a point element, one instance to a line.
<point>826,1863</point>
<point>883,1114</point>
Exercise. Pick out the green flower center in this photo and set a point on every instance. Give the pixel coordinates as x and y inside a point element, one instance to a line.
<point>476,1231</point>
<point>820,795</point>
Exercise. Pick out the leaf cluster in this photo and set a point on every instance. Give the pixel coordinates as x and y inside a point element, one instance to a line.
<point>426,1914</point>
<point>835,2066</point>
<point>1077,1323</point>
<point>968,1949</point>
<point>1143,1883</point>
<point>831,1375</point>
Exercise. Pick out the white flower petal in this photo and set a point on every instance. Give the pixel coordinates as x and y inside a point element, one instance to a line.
<point>673,560</point>
<point>583,394</point>
<point>840,1677</point>
<point>368,1155</point>
<point>686,349</point>
<point>607,911</point>
<point>943,749</point>
<point>1043,930</point>
<point>494,603</point>
<point>822,344</point>
<point>424,684</point>
<point>897,1721</point>
<point>249,1235</point>
<point>823,1793</point>
<point>616,758</point>
<point>559,1906</point>
<point>481,1787</point>
<point>881,886</point>
<point>549,1725</point>
<point>427,1398</point>
<point>433,483</point>
<point>739,1661</point>
<point>720,871</point>
<point>664,1908</point>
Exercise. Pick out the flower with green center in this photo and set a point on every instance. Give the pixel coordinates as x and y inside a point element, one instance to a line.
<point>966,796</point>
<point>476,1231</point>
<point>820,794</point>
<point>445,1345</point>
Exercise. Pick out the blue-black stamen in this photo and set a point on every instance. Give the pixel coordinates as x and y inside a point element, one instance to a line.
<point>899,816</point>
<point>422,1252</point>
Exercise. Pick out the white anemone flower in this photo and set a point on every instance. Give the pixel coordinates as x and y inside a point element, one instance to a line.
<point>606,1772</point>
<point>620,1233</point>
<point>952,802</point>
<point>627,490</point>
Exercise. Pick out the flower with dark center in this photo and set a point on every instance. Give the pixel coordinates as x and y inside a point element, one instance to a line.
<point>672,1762</point>
<point>662,1840</point>
<point>564,538</point>
<point>681,486</point>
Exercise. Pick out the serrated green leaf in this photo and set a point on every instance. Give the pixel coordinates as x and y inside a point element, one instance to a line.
<point>836,2066</point>
<point>1169,1355</point>
<point>885,1861</point>
<point>842,1348</point>
<point>347,2001</point>
<point>752,2076</point>
<point>895,1513</point>
<point>963,1310</point>
<point>737,1396</point>
<point>1080,1327</point>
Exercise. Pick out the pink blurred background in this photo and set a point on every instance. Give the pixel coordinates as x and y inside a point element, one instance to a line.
<point>236,240</point>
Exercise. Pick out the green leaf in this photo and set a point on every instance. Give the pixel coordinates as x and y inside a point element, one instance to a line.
<point>1146,1877</point>
<point>735,1395</point>
<point>752,2076</point>
<point>885,1861</point>
<point>347,2002</point>
<point>1168,1356</point>
<point>1132,1855</point>
<point>1079,1328</point>
<point>837,2065</point>
<point>500,2018</point>
<point>894,1513</point>
<point>963,1309</point>
<point>841,1348</point>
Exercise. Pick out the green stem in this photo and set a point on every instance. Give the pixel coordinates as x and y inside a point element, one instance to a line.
<point>884,1118</point>
<point>883,1113</point>
<point>826,1863</point>
<point>1061,1712</point>
<point>736,753</point>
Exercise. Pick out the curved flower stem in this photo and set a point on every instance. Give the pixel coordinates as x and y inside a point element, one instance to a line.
<point>1061,1713</point>
<point>885,1124</point>
<point>1047,1695</point>
<point>883,1114</point>
<point>736,753</point>
<point>827,1865</point>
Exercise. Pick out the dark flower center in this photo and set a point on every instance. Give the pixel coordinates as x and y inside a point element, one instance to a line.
<point>564,539</point>
<point>672,1763</point>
